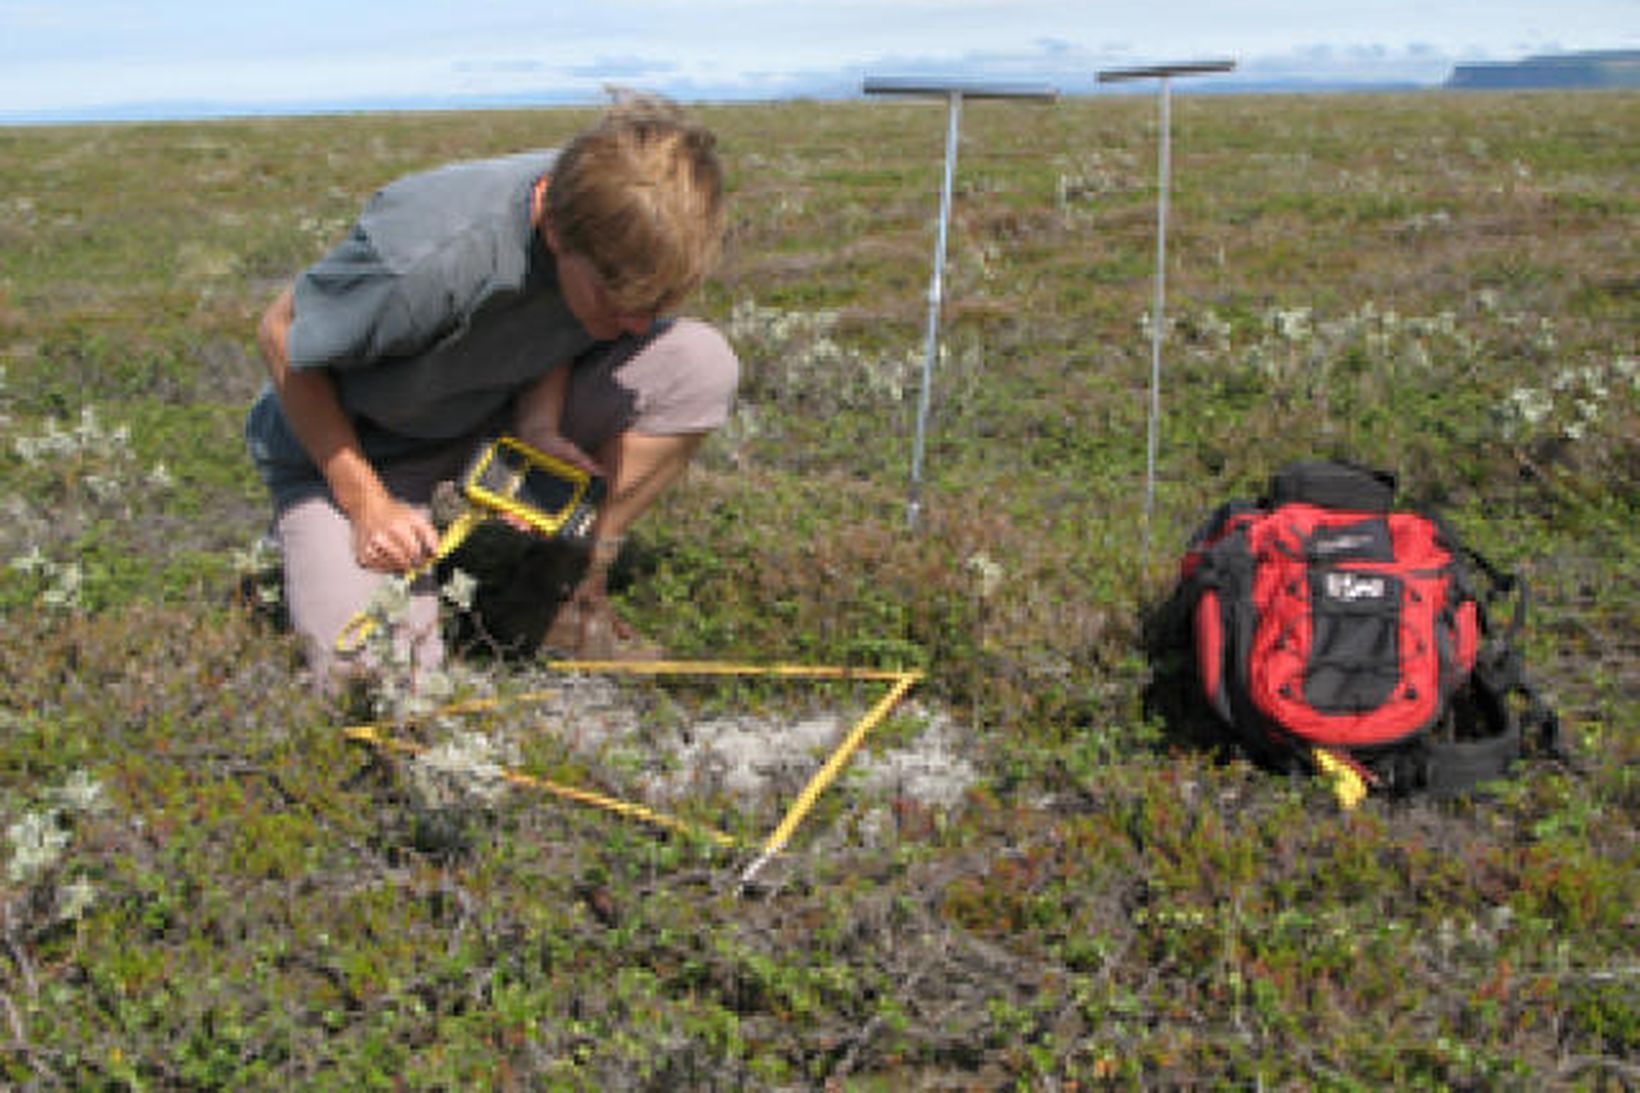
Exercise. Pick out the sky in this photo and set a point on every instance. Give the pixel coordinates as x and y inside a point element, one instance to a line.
<point>115,59</point>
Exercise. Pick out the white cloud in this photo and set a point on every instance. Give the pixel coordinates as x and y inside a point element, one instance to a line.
<point>78,55</point>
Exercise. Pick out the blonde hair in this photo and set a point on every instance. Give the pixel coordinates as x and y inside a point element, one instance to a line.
<point>640,196</point>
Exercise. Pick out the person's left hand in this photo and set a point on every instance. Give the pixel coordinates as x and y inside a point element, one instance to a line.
<point>590,618</point>
<point>561,447</point>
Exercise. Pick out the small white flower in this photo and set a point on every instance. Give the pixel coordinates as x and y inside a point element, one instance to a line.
<point>82,793</point>
<point>1215,329</point>
<point>459,589</point>
<point>33,562</point>
<point>1545,339</point>
<point>74,899</point>
<point>104,487</point>
<point>987,571</point>
<point>37,842</point>
<point>392,599</point>
<point>464,764</point>
<point>1531,405</point>
<point>65,592</point>
<point>1292,324</point>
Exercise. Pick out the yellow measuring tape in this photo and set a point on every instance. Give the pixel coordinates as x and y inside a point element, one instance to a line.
<point>1343,777</point>
<point>363,623</point>
<point>506,477</point>
<point>377,735</point>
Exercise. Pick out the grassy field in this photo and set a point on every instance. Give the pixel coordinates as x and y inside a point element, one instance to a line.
<point>207,886</point>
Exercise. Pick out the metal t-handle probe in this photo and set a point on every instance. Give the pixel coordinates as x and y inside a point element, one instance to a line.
<point>1158,321</point>
<point>953,91</point>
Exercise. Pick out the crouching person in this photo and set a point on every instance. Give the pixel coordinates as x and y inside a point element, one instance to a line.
<point>530,295</point>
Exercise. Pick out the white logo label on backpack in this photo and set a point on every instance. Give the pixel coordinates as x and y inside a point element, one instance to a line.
<point>1343,544</point>
<point>1354,587</point>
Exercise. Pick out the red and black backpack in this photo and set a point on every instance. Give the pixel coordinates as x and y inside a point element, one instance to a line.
<point>1336,634</point>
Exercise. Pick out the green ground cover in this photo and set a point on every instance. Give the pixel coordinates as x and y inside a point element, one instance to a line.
<point>207,887</point>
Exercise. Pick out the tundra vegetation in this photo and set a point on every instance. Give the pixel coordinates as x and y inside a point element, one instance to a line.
<point>207,886</point>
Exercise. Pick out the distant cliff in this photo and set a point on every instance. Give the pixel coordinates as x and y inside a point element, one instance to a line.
<point>1612,68</point>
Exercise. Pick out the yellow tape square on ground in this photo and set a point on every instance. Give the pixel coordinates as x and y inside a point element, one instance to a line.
<point>378,734</point>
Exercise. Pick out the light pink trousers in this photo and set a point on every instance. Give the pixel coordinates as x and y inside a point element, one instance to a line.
<point>325,587</point>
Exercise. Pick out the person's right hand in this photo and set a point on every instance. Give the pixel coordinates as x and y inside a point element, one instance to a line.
<point>390,536</point>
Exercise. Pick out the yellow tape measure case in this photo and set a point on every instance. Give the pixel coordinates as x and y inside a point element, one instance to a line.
<point>552,496</point>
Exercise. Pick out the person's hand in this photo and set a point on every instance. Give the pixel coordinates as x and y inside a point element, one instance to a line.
<point>591,617</point>
<point>392,537</point>
<point>591,596</point>
<point>587,627</point>
<point>562,448</point>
